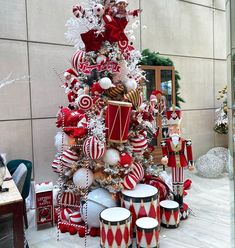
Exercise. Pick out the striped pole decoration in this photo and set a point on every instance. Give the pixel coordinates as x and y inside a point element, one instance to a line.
<point>68,158</point>
<point>93,149</point>
<point>139,144</point>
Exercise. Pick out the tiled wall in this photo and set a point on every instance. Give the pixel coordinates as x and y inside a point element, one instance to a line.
<point>191,33</point>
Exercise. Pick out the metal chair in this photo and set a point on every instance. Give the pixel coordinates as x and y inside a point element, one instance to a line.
<point>12,166</point>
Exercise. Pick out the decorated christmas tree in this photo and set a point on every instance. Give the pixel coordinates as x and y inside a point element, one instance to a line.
<point>105,132</point>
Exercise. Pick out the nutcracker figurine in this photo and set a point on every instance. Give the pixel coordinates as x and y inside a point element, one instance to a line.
<point>174,155</point>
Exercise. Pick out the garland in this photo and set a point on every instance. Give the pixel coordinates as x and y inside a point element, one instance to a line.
<point>154,59</point>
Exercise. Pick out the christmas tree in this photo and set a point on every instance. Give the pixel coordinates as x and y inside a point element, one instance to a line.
<point>104,142</point>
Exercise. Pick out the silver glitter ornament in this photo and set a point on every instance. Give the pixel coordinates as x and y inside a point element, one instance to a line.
<point>209,166</point>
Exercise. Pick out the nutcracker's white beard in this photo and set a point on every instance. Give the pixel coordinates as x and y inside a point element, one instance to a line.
<point>175,138</point>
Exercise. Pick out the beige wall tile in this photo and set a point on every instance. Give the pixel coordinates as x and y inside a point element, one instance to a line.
<point>15,102</point>
<point>220,79</point>
<point>220,34</point>
<point>13,19</point>
<point>196,84</point>
<point>47,19</point>
<point>228,33</point>
<point>208,3</point>
<point>44,131</point>
<point>47,95</point>
<point>221,140</point>
<point>177,28</point>
<point>219,4</point>
<point>198,125</point>
<point>16,139</point>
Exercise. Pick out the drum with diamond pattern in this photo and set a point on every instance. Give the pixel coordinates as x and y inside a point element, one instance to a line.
<point>170,214</point>
<point>115,228</point>
<point>147,233</point>
<point>142,201</point>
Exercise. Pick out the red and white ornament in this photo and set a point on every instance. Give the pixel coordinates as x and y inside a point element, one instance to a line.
<point>69,198</point>
<point>112,156</point>
<point>69,157</point>
<point>77,59</point>
<point>98,10</point>
<point>84,102</point>
<point>139,144</point>
<point>125,160</point>
<point>138,171</point>
<point>106,83</point>
<point>130,181</point>
<point>83,178</point>
<point>78,11</point>
<point>93,149</point>
<point>70,73</point>
<point>65,212</point>
<point>56,165</point>
<point>75,218</point>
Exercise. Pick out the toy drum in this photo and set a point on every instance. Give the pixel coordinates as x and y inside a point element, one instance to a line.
<point>115,228</point>
<point>170,214</point>
<point>184,212</point>
<point>117,121</point>
<point>142,201</point>
<point>147,233</point>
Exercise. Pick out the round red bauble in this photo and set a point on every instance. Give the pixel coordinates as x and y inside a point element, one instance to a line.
<point>72,230</point>
<point>125,159</point>
<point>94,232</point>
<point>81,232</point>
<point>63,228</point>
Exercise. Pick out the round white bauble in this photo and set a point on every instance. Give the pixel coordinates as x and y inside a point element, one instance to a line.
<point>209,166</point>
<point>101,59</point>
<point>111,157</point>
<point>80,178</point>
<point>131,84</point>
<point>67,141</point>
<point>105,83</point>
<point>97,200</point>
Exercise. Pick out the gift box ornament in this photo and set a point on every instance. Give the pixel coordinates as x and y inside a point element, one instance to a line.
<point>44,203</point>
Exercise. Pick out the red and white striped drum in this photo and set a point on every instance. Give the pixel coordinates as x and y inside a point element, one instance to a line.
<point>115,228</point>
<point>147,233</point>
<point>118,121</point>
<point>142,201</point>
<point>170,214</point>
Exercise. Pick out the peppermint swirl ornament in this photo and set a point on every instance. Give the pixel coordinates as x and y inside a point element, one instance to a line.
<point>77,59</point>
<point>84,102</point>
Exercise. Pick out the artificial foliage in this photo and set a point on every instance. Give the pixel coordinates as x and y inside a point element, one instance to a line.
<point>106,129</point>
<point>221,121</point>
<point>154,59</point>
